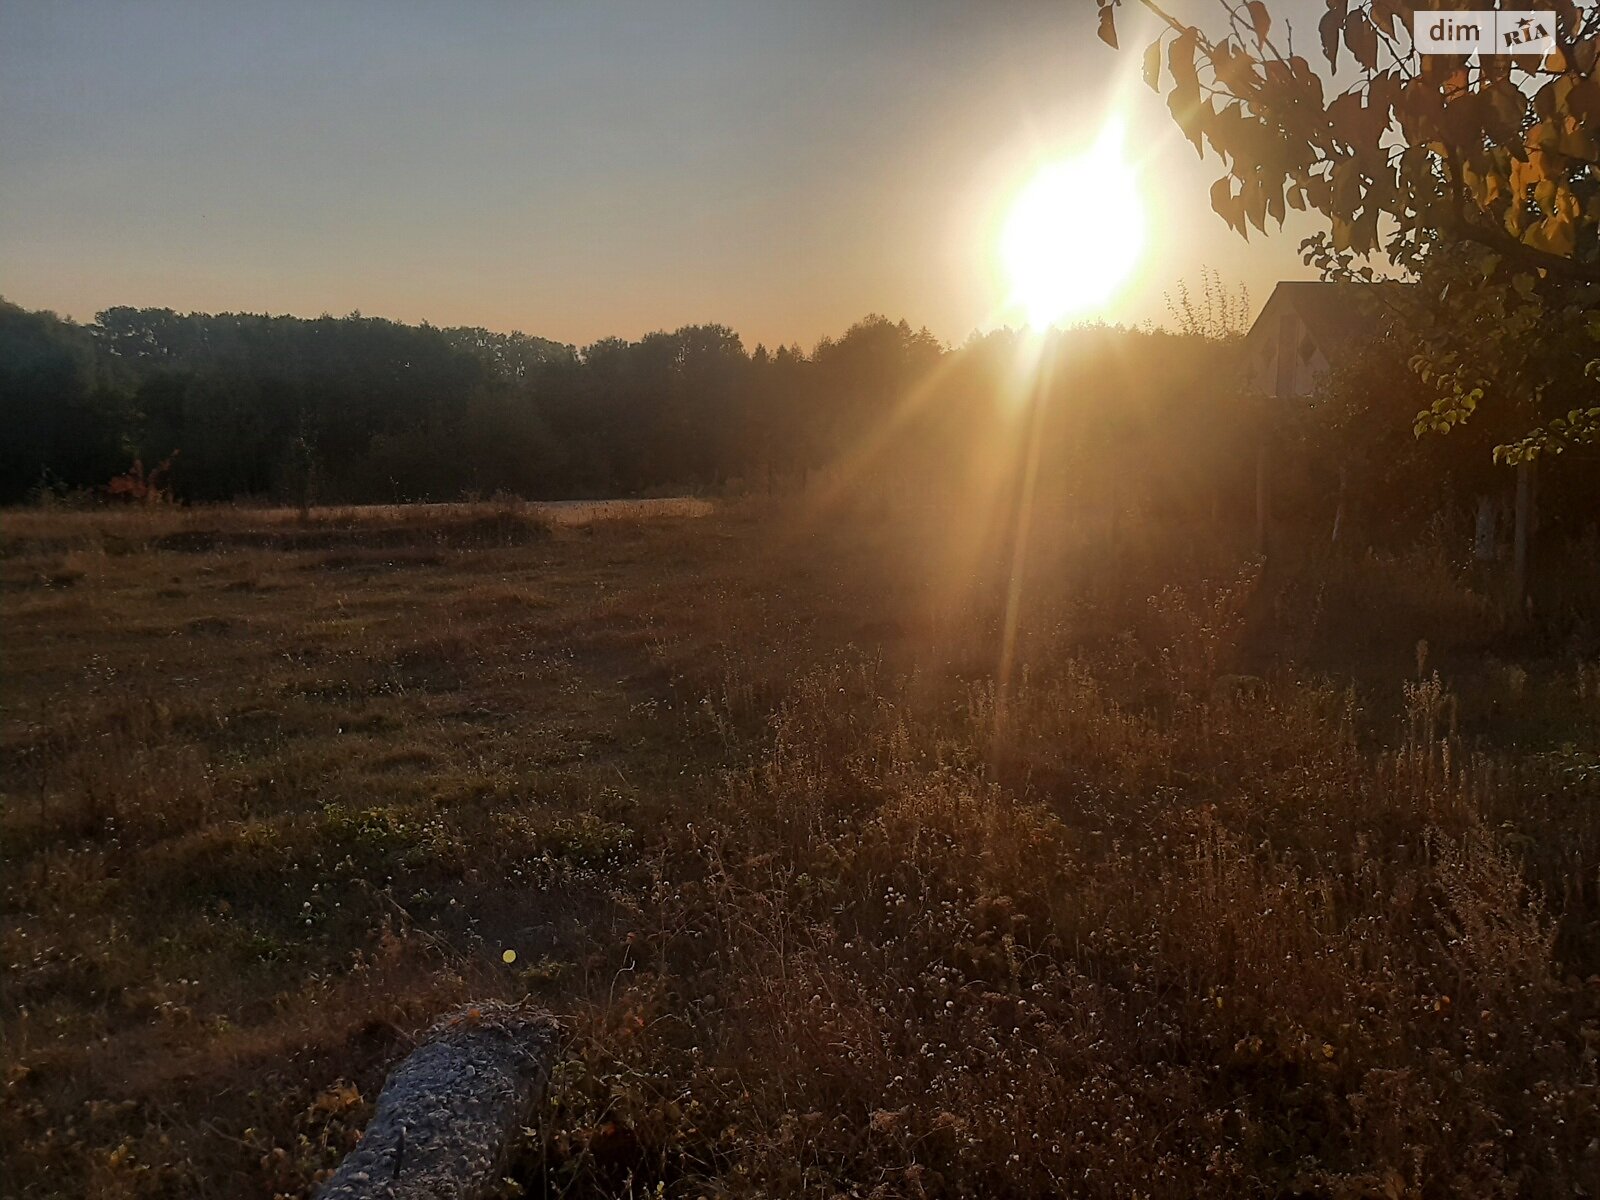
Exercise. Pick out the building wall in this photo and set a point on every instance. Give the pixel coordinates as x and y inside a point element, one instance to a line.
<point>1307,363</point>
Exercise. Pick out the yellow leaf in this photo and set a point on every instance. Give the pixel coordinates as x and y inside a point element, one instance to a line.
<point>1567,204</point>
<point>1577,142</point>
<point>1152,65</point>
<point>1544,195</point>
<point>340,1097</point>
<point>1560,235</point>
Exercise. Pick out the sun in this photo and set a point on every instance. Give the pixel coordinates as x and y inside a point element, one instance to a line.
<point>1074,233</point>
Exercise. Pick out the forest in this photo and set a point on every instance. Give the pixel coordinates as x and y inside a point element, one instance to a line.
<point>356,409</point>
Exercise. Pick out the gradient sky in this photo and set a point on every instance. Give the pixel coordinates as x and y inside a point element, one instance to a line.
<point>573,168</point>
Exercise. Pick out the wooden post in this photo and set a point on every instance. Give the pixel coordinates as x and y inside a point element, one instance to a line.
<point>1263,496</point>
<point>1282,389</point>
<point>1521,536</point>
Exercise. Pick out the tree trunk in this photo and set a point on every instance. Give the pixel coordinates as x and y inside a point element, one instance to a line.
<point>449,1114</point>
<point>1483,537</point>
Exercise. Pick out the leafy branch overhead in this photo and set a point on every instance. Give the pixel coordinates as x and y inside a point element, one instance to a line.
<point>1481,174</point>
<point>1503,155</point>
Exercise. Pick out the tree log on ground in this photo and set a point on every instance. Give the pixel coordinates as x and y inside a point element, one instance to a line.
<point>450,1112</point>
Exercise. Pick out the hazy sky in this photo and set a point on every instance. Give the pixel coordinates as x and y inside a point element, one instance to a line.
<point>571,168</point>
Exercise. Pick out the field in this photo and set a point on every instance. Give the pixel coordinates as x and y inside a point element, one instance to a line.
<point>854,860</point>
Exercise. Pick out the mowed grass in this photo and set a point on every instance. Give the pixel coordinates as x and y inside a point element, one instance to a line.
<point>853,861</point>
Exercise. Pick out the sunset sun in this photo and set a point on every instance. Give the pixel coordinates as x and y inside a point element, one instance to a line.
<point>1074,233</point>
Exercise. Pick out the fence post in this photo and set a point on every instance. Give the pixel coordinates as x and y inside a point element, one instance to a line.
<point>1263,495</point>
<point>1522,534</point>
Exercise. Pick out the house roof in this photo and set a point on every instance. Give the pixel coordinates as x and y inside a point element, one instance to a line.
<point>1340,317</point>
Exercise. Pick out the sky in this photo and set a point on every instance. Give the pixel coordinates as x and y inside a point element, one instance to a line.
<point>578,168</point>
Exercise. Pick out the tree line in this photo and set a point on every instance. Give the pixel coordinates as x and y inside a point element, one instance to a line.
<point>358,409</point>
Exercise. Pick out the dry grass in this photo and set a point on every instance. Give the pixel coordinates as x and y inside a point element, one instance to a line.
<point>1218,892</point>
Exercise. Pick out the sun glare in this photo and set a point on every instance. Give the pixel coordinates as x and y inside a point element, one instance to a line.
<point>1074,234</point>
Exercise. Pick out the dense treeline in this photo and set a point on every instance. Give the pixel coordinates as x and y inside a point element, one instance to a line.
<point>362,409</point>
<point>357,409</point>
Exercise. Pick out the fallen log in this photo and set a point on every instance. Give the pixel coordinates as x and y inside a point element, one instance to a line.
<point>450,1113</point>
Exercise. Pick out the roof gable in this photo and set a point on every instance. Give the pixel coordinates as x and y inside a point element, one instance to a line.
<point>1340,317</point>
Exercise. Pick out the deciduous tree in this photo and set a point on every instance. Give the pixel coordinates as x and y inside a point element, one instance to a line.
<point>1479,179</point>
